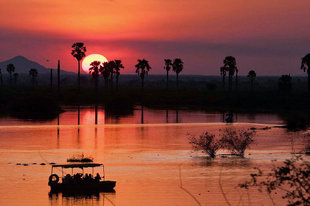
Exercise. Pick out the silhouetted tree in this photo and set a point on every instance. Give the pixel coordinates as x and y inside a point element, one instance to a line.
<point>78,52</point>
<point>10,68</point>
<point>305,65</point>
<point>105,72</point>
<point>94,71</point>
<point>206,142</point>
<point>15,76</point>
<point>177,68</point>
<point>112,67</point>
<point>168,65</point>
<point>230,66</point>
<point>285,83</point>
<point>118,67</point>
<point>142,69</point>
<point>252,76</point>
<point>33,73</point>
<point>237,141</point>
<point>223,71</point>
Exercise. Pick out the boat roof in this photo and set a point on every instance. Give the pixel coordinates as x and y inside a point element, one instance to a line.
<point>80,165</point>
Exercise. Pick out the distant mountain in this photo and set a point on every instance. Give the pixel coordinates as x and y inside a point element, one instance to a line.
<point>23,65</point>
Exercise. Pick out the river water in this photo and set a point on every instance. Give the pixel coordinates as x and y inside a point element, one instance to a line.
<point>153,163</point>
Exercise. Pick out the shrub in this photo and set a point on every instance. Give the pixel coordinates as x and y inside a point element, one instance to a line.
<point>237,142</point>
<point>207,143</point>
<point>293,178</point>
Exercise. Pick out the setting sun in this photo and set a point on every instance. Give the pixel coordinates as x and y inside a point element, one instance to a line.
<point>90,58</point>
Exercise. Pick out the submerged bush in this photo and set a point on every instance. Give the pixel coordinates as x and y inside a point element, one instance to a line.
<point>237,141</point>
<point>293,178</point>
<point>207,143</point>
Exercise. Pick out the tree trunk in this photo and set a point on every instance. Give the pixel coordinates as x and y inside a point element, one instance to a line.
<point>10,78</point>
<point>167,79</point>
<point>79,77</point>
<point>223,82</point>
<point>230,82</point>
<point>106,83</point>
<point>177,80</point>
<point>236,81</point>
<point>116,82</point>
<point>58,77</point>
<point>111,82</point>
<point>96,89</point>
<point>252,84</point>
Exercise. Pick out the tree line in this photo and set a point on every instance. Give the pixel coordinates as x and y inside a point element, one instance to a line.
<point>111,71</point>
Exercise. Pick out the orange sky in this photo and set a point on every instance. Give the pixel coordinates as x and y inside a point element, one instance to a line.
<point>202,32</point>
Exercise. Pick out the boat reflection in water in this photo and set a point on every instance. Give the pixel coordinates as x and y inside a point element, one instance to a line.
<point>95,198</point>
<point>79,183</point>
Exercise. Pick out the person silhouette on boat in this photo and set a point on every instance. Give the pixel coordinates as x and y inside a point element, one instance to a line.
<point>97,178</point>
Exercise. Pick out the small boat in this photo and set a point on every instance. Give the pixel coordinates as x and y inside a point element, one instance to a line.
<point>79,182</point>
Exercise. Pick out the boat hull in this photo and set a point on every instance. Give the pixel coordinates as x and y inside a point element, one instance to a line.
<point>102,186</point>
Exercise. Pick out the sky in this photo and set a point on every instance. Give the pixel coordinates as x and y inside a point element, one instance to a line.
<point>268,36</point>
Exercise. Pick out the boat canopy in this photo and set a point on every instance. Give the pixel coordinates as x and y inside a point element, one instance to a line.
<point>81,165</point>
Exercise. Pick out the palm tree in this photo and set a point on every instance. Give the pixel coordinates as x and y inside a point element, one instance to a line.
<point>10,68</point>
<point>223,74</point>
<point>305,65</point>
<point>112,66</point>
<point>168,65</point>
<point>230,66</point>
<point>94,71</point>
<point>177,68</point>
<point>105,71</point>
<point>15,75</point>
<point>78,52</point>
<point>252,76</point>
<point>33,73</point>
<point>142,69</point>
<point>118,67</point>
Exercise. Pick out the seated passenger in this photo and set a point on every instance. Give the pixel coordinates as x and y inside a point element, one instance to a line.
<point>97,178</point>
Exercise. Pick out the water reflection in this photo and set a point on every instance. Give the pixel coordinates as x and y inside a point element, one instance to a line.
<point>92,115</point>
<point>91,198</point>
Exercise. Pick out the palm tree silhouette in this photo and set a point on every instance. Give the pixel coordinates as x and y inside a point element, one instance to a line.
<point>252,76</point>
<point>33,73</point>
<point>78,52</point>
<point>105,71</point>
<point>305,65</point>
<point>168,65</point>
<point>223,74</point>
<point>10,68</point>
<point>94,71</point>
<point>142,69</point>
<point>112,68</point>
<point>230,66</point>
<point>177,68</point>
<point>15,75</point>
<point>118,67</point>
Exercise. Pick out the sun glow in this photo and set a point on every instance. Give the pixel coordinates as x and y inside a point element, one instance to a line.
<point>90,58</point>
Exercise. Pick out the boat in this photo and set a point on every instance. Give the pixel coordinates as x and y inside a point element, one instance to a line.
<point>79,182</point>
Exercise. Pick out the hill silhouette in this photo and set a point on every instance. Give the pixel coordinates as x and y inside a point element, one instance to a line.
<point>23,65</point>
